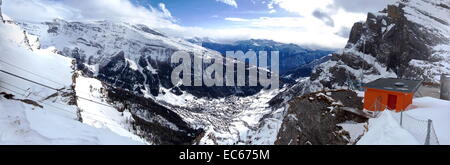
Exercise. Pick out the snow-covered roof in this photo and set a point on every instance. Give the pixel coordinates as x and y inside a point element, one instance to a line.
<point>394,84</point>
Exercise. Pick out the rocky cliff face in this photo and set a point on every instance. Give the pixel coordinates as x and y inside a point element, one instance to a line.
<point>314,119</point>
<point>407,40</point>
<point>400,35</point>
<point>155,123</point>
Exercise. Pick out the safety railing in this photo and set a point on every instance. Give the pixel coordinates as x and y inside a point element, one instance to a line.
<point>422,130</point>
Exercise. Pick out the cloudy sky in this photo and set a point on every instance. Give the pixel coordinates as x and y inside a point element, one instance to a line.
<point>315,23</point>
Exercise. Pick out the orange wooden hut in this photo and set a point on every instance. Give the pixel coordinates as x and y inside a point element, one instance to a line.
<point>390,93</point>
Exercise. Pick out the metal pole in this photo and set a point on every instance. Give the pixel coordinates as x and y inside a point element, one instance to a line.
<point>348,80</point>
<point>401,119</point>
<point>427,140</point>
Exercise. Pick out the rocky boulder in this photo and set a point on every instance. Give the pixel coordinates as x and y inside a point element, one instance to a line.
<point>313,119</point>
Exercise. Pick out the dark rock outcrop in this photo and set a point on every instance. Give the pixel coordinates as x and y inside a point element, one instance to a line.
<point>312,119</point>
<point>394,40</point>
<point>154,122</point>
<point>26,101</point>
<point>117,72</point>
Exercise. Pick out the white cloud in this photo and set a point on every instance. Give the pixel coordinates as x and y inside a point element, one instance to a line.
<point>236,19</point>
<point>164,10</point>
<point>36,10</point>
<point>229,2</point>
<point>300,30</point>
<point>307,28</point>
<point>319,22</point>
<point>304,8</point>
<point>363,5</point>
<point>325,29</point>
<point>270,5</point>
<point>340,17</point>
<point>73,10</point>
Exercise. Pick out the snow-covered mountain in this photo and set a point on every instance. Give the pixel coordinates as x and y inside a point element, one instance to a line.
<point>132,57</point>
<point>407,40</point>
<point>34,114</point>
<point>119,81</point>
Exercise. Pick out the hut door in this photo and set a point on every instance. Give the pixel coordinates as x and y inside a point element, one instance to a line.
<point>392,101</point>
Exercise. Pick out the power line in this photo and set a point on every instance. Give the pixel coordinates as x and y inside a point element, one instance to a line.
<point>41,84</point>
<point>25,70</point>
<point>17,88</point>
<point>58,108</point>
<point>83,98</point>
<point>20,68</point>
<point>95,102</point>
<point>11,90</point>
<point>23,78</point>
<point>18,93</point>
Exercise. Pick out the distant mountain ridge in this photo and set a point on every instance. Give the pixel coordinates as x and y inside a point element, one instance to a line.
<point>292,56</point>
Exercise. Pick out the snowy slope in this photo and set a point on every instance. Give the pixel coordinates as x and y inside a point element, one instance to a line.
<point>102,115</point>
<point>25,124</point>
<point>42,66</point>
<point>34,114</point>
<point>386,130</point>
<point>436,110</point>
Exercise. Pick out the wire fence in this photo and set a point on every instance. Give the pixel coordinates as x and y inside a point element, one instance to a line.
<point>422,130</point>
